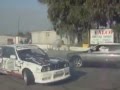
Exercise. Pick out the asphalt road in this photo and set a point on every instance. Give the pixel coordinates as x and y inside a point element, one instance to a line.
<point>85,78</point>
<point>82,79</point>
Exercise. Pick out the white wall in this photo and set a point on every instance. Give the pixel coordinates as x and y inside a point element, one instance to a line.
<point>35,37</point>
<point>16,39</point>
<point>47,37</point>
<point>44,37</point>
<point>4,39</point>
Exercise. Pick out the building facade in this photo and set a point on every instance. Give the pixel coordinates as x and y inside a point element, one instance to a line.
<point>9,39</point>
<point>47,37</point>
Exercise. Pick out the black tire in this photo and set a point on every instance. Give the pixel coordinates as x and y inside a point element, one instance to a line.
<point>28,77</point>
<point>76,62</point>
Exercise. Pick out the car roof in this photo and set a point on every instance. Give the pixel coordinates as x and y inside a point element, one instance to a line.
<point>21,46</point>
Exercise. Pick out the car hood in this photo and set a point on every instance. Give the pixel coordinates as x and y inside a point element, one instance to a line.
<point>43,60</point>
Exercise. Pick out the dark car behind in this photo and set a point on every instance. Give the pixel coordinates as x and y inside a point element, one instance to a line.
<point>102,54</point>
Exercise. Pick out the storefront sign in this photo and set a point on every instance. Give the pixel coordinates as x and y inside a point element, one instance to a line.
<point>101,36</point>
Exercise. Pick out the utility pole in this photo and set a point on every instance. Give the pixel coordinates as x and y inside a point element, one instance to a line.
<point>18,28</point>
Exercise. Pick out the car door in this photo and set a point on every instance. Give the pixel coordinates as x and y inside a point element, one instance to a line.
<point>114,57</point>
<point>96,57</point>
<point>114,54</point>
<point>8,62</point>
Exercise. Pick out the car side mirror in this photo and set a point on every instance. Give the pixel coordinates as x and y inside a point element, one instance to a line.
<point>12,57</point>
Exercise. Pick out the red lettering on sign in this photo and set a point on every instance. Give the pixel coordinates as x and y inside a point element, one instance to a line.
<point>103,32</point>
<point>110,32</point>
<point>106,32</point>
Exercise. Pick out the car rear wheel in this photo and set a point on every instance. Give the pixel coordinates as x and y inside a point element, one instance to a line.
<point>76,61</point>
<point>28,77</point>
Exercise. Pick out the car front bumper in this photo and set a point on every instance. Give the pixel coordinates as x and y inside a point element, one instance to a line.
<point>53,76</point>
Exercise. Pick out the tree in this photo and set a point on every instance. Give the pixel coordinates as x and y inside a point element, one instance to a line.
<point>68,16</point>
<point>28,37</point>
<point>21,34</point>
<point>106,13</point>
<point>78,16</point>
<point>116,29</point>
<point>103,11</point>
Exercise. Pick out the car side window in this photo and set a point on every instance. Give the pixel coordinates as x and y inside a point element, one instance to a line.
<point>97,48</point>
<point>7,51</point>
<point>94,48</point>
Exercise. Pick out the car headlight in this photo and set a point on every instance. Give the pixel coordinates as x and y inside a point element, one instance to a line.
<point>66,65</point>
<point>45,68</point>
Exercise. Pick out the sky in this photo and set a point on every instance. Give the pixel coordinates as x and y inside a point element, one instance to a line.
<point>30,14</point>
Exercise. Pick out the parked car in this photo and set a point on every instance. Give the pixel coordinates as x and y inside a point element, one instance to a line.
<point>103,54</point>
<point>32,63</point>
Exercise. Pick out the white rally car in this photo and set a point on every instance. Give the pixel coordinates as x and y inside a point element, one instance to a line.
<point>32,63</point>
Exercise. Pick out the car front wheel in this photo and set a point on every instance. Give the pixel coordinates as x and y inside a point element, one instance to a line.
<point>28,77</point>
